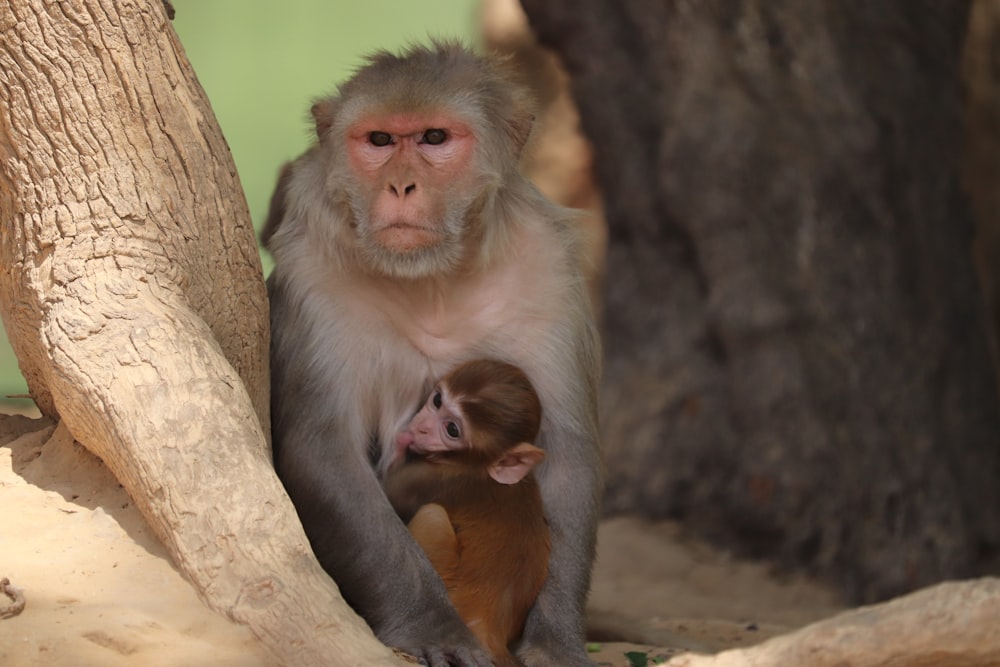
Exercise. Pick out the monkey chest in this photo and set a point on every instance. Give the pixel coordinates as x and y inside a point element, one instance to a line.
<point>479,324</point>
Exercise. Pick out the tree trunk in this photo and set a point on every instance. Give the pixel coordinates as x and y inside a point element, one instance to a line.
<point>132,293</point>
<point>981,164</point>
<point>796,356</point>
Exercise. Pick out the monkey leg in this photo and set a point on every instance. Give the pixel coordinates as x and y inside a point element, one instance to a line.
<point>431,528</point>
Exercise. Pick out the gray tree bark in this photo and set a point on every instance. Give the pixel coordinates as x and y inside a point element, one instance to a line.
<point>796,353</point>
<point>981,163</point>
<point>132,293</point>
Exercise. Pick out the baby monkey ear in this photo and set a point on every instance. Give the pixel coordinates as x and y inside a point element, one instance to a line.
<point>516,463</point>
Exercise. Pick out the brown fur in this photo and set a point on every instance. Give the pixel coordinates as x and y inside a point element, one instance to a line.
<point>488,541</point>
<point>500,404</point>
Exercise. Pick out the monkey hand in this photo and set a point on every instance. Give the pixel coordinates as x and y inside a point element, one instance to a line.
<point>438,655</point>
<point>439,638</point>
<point>554,655</point>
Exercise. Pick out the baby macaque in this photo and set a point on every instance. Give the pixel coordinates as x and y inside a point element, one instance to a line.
<point>462,480</point>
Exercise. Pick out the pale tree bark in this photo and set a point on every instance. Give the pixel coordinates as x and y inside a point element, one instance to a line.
<point>132,293</point>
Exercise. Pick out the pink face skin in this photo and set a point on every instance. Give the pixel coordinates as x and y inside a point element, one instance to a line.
<point>410,163</point>
<point>437,428</point>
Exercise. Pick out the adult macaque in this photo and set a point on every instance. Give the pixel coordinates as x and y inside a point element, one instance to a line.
<point>462,480</point>
<point>406,241</point>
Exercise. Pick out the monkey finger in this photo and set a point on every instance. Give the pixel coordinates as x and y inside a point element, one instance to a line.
<point>438,656</point>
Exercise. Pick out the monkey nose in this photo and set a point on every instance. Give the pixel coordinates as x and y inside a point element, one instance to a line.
<point>402,190</point>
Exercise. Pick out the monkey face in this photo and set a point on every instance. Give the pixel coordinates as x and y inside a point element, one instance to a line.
<point>415,183</point>
<point>439,427</point>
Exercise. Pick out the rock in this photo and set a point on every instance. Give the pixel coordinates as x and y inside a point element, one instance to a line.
<point>955,624</point>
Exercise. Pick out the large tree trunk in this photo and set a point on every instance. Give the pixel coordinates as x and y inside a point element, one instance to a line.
<point>132,293</point>
<point>981,75</point>
<point>797,361</point>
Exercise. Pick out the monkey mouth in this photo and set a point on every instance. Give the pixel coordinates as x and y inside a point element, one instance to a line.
<point>407,237</point>
<point>409,226</point>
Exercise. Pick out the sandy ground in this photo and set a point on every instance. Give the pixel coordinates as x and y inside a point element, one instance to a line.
<point>100,590</point>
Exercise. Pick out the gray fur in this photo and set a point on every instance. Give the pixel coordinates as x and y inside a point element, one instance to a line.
<point>355,347</point>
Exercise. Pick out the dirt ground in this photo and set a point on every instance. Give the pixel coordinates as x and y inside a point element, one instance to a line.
<point>100,590</point>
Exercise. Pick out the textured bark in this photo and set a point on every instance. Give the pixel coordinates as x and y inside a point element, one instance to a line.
<point>981,75</point>
<point>132,293</point>
<point>796,356</point>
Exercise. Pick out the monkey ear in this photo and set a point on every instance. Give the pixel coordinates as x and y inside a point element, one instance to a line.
<point>322,113</point>
<point>276,210</point>
<point>519,129</point>
<point>516,463</point>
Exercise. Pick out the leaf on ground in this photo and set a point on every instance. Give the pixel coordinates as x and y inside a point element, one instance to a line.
<point>637,658</point>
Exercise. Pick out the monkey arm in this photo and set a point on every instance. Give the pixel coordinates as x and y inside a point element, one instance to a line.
<point>554,632</point>
<point>571,483</point>
<point>431,528</point>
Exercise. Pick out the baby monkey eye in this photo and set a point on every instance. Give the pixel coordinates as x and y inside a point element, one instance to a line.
<point>452,430</point>
<point>434,137</point>
<point>379,138</point>
<point>437,400</point>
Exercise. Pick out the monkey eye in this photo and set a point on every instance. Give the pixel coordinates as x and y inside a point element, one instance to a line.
<point>434,137</point>
<point>437,400</point>
<point>379,138</point>
<point>452,429</point>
